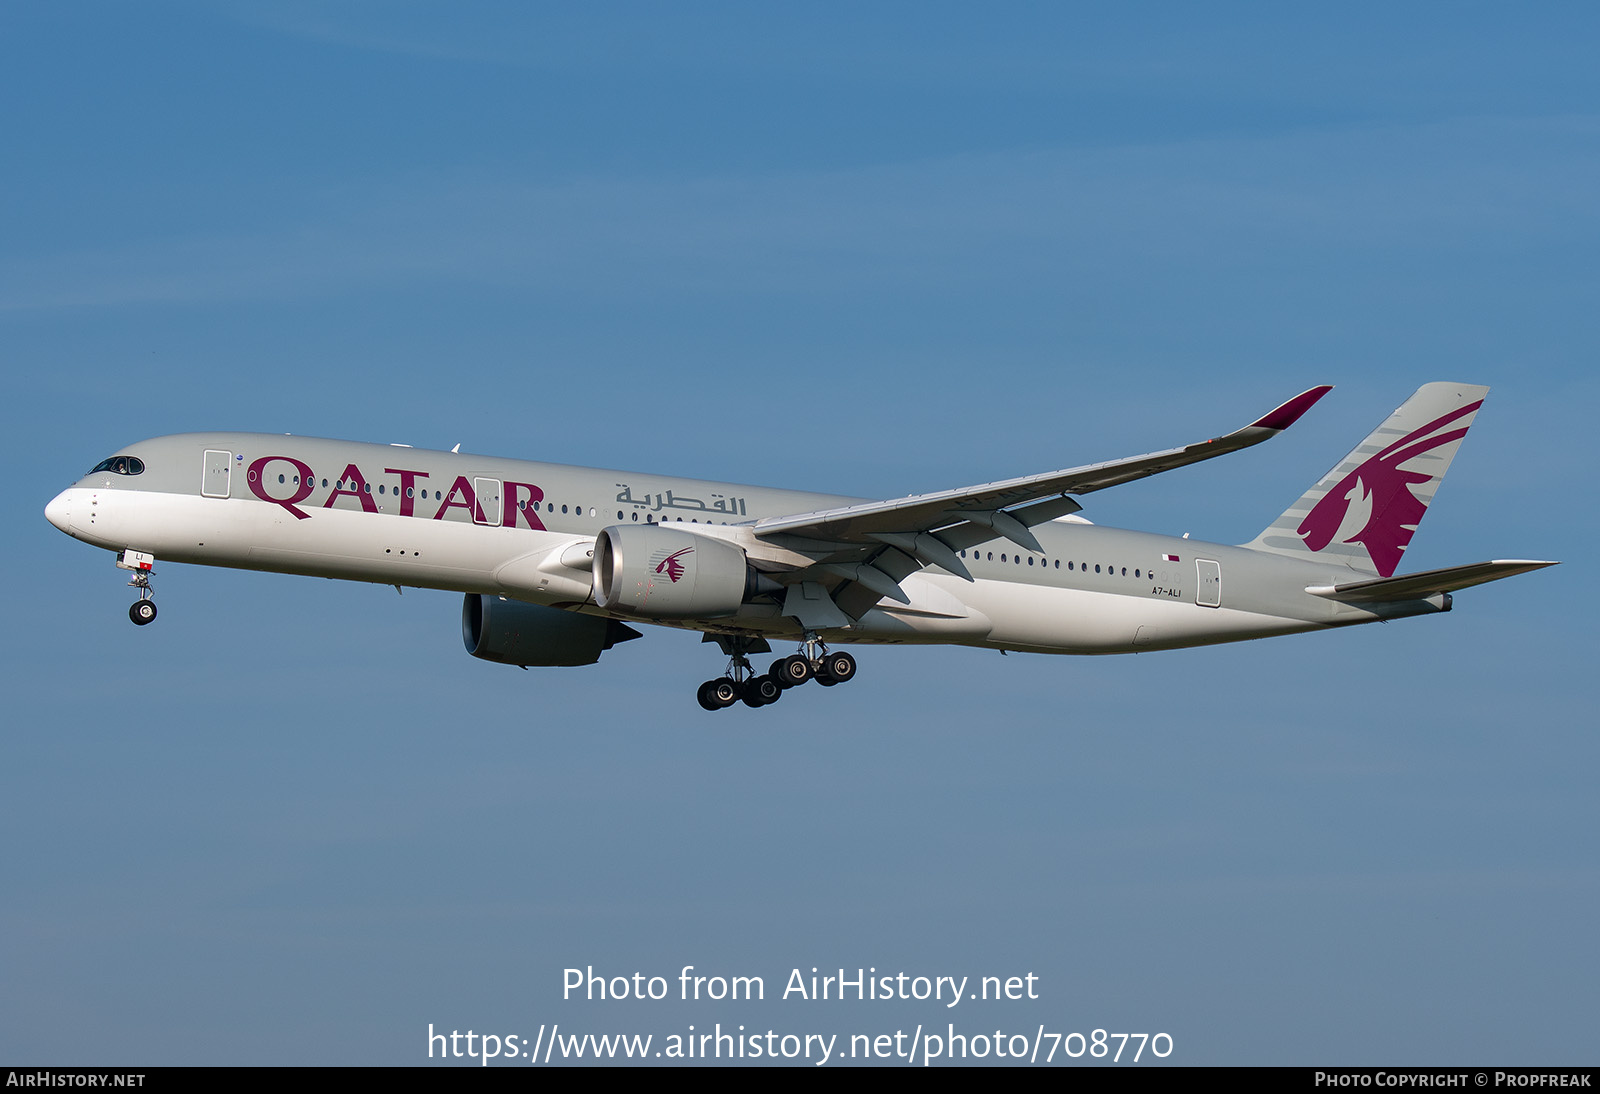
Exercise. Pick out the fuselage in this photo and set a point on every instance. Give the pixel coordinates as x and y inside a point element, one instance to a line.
<point>413,517</point>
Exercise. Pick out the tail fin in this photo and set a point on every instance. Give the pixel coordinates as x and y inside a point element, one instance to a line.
<point>1364,512</point>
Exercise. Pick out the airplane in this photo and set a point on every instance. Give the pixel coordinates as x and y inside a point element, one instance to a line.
<point>556,562</point>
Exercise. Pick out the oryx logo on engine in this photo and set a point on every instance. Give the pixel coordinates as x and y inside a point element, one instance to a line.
<point>670,565</point>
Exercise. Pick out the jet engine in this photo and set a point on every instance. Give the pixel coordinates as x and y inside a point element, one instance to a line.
<point>652,570</point>
<point>516,633</point>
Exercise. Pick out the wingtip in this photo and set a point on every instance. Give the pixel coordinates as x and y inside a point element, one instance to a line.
<point>1289,413</point>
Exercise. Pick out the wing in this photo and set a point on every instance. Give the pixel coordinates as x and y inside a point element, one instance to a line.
<point>866,549</point>
<point>925,512</point>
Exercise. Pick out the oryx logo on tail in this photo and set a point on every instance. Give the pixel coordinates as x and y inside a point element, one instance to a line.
<point>1374,505</point>
<point>671,566</point>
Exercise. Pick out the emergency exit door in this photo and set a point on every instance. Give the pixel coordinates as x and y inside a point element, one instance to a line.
<point>216,473</point>
<point>488,493</point>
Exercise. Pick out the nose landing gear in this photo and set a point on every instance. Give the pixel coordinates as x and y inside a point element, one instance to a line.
<point>144,609</point>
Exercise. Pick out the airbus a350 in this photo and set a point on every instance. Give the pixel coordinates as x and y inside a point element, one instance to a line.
<point>556,562</point>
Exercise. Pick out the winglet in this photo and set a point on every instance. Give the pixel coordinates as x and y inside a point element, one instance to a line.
<point>1289,413</point>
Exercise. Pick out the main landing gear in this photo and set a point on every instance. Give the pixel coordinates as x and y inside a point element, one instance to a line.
<point>741,684</point>
<point>144,609</point>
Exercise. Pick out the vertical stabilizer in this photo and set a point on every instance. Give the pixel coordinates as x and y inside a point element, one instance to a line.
<point>1364,512</point>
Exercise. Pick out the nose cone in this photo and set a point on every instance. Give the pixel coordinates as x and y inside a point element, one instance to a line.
<point>59,511</point>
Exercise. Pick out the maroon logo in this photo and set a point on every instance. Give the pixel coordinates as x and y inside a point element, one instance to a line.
<point>671,566</point>
<point>1383,487</point>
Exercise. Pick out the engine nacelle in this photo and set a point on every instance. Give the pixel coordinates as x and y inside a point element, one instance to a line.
<point>513,632</point>
<point>655,571</point>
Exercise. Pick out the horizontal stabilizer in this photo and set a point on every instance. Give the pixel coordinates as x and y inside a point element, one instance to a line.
<point>1426,584</point>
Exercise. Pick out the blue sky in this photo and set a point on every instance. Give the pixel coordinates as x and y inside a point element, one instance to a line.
<point>868,251</point>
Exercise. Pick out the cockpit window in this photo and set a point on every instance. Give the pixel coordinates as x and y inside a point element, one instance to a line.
<point>120,465</point>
